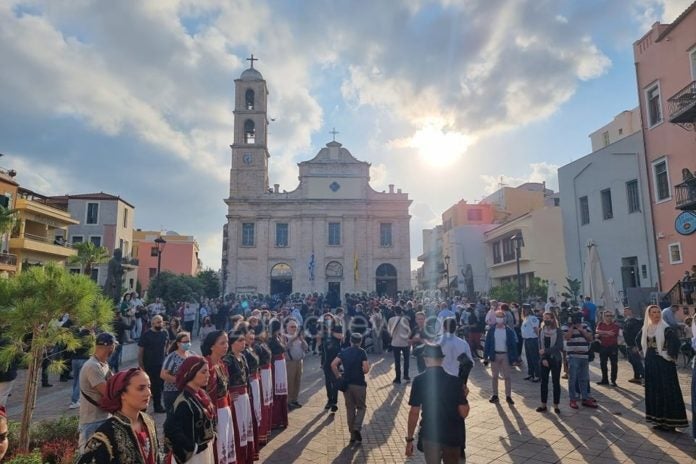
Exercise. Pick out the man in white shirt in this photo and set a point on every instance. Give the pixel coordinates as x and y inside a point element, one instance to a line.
<point>400,330</point>
<point>453,347</point>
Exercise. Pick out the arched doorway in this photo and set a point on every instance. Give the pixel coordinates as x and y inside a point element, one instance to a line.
<point>281,279</point>
<point>334,275</point>
<point>385,280</point>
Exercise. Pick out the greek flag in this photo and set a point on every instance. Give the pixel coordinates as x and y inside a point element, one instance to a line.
<point>310,267</point>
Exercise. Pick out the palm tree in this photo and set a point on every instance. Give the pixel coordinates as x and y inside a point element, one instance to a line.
<point>7,219</point>
<point>88,256</point>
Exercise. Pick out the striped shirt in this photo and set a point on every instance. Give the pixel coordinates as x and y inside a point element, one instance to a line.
<point>577,346</point>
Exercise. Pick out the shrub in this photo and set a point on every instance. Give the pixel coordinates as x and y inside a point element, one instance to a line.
<point>58,451</point>
<point>63,428</point>
<point>32,458</point>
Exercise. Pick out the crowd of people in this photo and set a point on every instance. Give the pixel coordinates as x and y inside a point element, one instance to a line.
<point>222,405</point>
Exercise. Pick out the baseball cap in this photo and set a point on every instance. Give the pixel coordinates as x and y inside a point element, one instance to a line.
<point>106,339</point>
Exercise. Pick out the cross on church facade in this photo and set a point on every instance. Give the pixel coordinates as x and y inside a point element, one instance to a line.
<point>334,132</point>
<point>252,59</point>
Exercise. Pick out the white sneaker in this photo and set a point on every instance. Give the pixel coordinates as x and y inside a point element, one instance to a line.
<point>74,405</point>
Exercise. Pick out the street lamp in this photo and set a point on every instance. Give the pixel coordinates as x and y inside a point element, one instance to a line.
<point>160,248</point>
<point>447,261</point>
<point>519,243</point>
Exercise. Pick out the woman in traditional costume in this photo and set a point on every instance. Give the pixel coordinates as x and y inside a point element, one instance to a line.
<point>129,435</point>
<point>189,431</point>
<point>214,347</point>
<point>252,360</point>
<point>280,377</point>
<point>266,373</point>
<point>239,394</point>
<point>664,404</point>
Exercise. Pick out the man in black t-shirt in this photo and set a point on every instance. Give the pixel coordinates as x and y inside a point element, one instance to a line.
<point>355,366</point>
<point>151,354</point>
<point>442,425</point>
<point>331,335</point>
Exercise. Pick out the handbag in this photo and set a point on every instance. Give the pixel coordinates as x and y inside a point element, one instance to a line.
<point>341,384</point>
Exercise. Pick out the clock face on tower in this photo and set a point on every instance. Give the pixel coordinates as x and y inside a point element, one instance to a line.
<point>247,158</point>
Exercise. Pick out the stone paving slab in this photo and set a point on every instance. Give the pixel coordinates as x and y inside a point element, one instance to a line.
<point>614,433</point>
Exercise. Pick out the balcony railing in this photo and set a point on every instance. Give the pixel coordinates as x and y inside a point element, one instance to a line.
<point>58,241</point>
<point>686,195</point>
<point>681,293</point>
<point>8,259</point>
<point>682,106</point>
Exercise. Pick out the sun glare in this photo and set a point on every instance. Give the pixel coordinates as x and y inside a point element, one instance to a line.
<point>439,148</point>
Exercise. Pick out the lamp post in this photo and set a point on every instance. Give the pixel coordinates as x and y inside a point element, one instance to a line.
<point>447,261</point>
<point>160,248</point>
<point>519,243</point>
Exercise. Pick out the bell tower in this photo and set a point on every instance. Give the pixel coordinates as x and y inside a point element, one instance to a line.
<point>249,172</point>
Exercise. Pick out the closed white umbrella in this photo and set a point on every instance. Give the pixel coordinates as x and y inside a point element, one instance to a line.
<point>552,291</point>
<point>593,281</point>
<point>613,300</point>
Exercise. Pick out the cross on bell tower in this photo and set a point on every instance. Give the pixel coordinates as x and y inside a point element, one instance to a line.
<point>252,59</point>
<point>333,132</point>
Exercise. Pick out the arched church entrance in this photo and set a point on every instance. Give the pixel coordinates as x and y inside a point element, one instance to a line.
<point>281,279</point>
<point>385,280</point>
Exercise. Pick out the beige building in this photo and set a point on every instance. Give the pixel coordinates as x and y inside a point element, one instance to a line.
<point>41,231</point>
<point>332,234</point>
<point>624,124</point>
<point>543,253</point>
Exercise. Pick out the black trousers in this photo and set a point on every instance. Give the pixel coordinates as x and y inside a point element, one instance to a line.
<point>555,370</point>
<point>156,385</point>
<point>331,390</point>
<point>612,354</point>
<point>398,351</point>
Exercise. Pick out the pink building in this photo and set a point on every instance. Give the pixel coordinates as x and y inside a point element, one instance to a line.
<point>666,75</point>
<point>179,254</point>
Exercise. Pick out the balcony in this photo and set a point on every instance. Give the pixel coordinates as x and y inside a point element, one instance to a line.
<point>686,195</point>
<point>41,244</point>
<point>8,262</point>
<point>682,107</point>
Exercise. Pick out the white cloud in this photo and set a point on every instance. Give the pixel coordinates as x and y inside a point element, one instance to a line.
<point>540,172</point>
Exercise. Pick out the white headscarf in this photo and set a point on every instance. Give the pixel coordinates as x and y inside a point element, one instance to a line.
<point>659,334</point>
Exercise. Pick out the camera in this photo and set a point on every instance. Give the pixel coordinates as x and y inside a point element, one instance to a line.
<point>576,318</point>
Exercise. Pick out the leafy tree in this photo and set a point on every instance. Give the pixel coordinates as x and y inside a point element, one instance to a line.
<point>30,304</point>
<point>504,292</point>
<point>507,292</point>
<point>88,256</point>
<point>172,288</point>
<point>210,283</point>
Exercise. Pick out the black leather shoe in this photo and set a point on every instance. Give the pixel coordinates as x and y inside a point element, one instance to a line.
<point>494,399</point>
<point>46,385</point>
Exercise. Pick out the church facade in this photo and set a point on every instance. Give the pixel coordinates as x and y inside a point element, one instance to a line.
<point>333,234</point>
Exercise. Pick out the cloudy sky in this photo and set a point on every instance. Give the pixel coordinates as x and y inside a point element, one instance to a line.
<point>443,97</point>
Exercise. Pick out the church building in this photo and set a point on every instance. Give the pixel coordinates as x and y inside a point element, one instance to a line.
<point>332,234</point>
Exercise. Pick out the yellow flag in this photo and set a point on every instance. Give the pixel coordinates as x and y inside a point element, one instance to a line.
<point>356,270</point>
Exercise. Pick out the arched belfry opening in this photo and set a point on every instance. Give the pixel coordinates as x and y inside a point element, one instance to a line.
<point>249,131</point>
<point>249,99</point>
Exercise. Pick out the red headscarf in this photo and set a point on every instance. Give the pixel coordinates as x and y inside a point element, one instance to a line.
<point>117,384</point>
<point>188,370</point>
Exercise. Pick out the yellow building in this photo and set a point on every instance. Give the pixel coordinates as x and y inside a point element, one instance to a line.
<point>8,193</point>
<point>40,233</point>
<point>542,254</point>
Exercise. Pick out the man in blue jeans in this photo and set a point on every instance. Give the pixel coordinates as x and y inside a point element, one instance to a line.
<point>577,336</point>
<point>79,357</point>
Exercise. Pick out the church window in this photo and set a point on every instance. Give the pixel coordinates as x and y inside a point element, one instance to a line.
<point>385,234</point>
<point>248,234</point>
<point>495,246</point>
<point>282,234</point>
<point>249,99</point>
<point>334,233</point>
<point>249,131</point>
